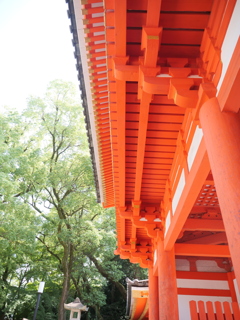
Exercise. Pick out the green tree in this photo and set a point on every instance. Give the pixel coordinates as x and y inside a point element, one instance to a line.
<point>60,186</point>
<point>17,221</point>
<point>61,235</point>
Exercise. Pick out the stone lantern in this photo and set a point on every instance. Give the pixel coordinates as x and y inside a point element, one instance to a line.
<point>75,307</point>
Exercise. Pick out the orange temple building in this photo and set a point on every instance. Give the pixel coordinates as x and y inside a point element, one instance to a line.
<point>160,83</point>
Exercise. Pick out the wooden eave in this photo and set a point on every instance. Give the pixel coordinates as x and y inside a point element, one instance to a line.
<point>151,64</point>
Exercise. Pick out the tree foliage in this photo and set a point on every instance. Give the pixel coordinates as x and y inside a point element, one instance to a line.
<point>51,227</point>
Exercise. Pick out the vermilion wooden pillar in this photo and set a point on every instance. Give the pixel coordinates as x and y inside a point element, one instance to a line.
<point>153,296</point>
<point>222,137</point>
<point>167,284</point>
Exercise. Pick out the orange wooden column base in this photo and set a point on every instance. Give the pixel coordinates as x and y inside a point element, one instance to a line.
<point>153,295</point>
<point>167,283</point>
<point>221,132</point>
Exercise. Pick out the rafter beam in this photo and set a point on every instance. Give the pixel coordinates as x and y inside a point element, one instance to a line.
<point>142,135</point>
<point>121,125</point>
<point>215,239</point>
<point>120,8</point>
<point>204,225</point>
<point>153,13</point>
<point>150,43</point>
<point>202,250</point>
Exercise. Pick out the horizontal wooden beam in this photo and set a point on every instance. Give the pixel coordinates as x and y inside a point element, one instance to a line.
<point>202,275</point>
<point>204,292</point>
<point>202,250</point>
<point>216,238</point>
<point>204,225</point>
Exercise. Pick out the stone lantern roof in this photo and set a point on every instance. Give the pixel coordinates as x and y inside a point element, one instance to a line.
<point>75,305</point>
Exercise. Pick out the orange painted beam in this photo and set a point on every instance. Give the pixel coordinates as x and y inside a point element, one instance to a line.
<point>202,250</point>
<point>133,236</point>
<point>218,14</point>
<point>236,310</point>
<point>142,135</point>
<point>121,223</point>
<point>231,277</point>
<point>181,87</point>
<point>126,72</point>
<point>180,91</point>
<point>204,292</point>
<point>173,5</point>
<point>196,178</point>
<point>153,13</point>
<point>204,225</point>
<point>202,275</point>
<point>120,12</point>
<point>225,23</point>
<point>151,38</point>
<point>121,105</point>
<point>217,238</point>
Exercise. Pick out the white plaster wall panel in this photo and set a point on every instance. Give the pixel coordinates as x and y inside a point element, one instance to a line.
<point>168,221</point>
<point>98,24</point>
<point>155,257</point>
<point>137,291</point>
<point>175,176</point>
<point>164,75</point>
<point>189,132</point>
<point>97,4</point>
<point>236,290</point>
<point>178,191</point>
<point>182,265</point>
<point>208,266</point>
<point>196,76</point>
<point>203,284</point>
<point>97,15</point>
<point>183,304</point>
<point>230,41</point>
<point>197,138</point>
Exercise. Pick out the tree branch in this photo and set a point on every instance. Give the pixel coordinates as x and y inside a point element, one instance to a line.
<point>49,250</point>
<point>100,269</point>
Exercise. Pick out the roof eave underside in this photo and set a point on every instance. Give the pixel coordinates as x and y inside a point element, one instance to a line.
<point>76,27</point>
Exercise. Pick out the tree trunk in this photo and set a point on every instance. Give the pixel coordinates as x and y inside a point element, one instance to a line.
<point>113,293</point>
<point>97,312</point>
<point>2,314</point>
<point>67,263</point>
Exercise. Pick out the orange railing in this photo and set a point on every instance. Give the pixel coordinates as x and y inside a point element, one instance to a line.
<point>214,311</point>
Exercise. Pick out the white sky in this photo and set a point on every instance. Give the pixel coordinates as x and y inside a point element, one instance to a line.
<point>35,48</point>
